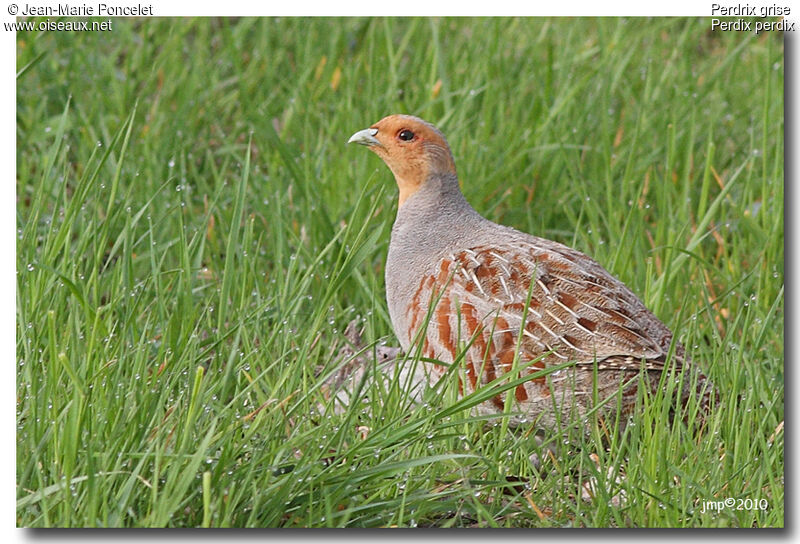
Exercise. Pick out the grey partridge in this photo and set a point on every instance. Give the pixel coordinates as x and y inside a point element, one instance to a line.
<point>456,281</point>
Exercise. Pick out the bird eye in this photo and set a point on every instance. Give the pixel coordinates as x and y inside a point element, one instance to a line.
<point>406,135</point>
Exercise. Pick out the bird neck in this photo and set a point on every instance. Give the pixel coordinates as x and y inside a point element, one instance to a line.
<point>438,200</point>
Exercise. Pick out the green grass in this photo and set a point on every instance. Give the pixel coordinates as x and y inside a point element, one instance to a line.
<point>194,235</point>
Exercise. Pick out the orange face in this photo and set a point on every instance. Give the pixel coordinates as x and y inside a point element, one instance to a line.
<point>412,149</point>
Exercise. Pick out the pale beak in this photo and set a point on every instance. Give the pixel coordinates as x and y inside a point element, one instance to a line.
<point>365,137</point>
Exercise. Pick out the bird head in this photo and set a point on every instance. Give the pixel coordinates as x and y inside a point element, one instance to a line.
<point>413,149</point>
